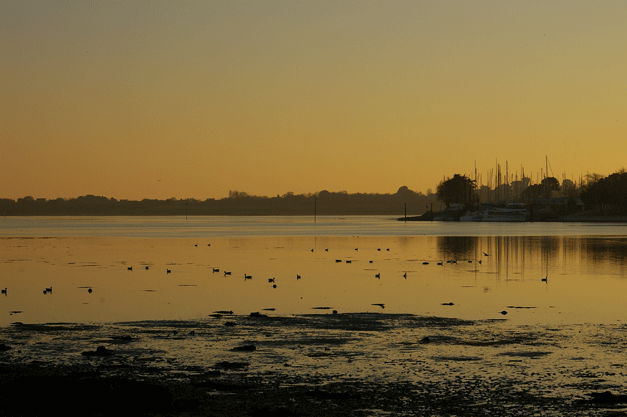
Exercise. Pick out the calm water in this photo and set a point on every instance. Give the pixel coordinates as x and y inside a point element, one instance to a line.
<point>498,267</point>
<point>210,226</point>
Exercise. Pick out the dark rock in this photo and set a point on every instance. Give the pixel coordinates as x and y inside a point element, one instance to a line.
<point>100,351</point>
<point>244,348</point>
<point>231,365</point>
<point>606,397</point>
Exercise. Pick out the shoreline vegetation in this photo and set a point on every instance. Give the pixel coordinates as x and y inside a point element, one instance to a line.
<point>458,198</point>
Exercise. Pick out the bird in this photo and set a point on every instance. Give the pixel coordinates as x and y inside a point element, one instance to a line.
<point>370,262</point>
<point>311,250</point>
<point>440,263</point>
<point>405,275</point>
<point>215,269</point>
<point>379,249</point>
<point>298,276</point>
<point>348,261</point>
<point>326,249</point>
<point>273,285</point>
<point>480,261</point>
<point>130,268</point>
<point>89,290</point>
<point>248,276</point>
<point>4,291</point>
<point>425,263</point>
<point>146,267</point>
<point>168,271</point>
<point>356,248</point>
<point>379,305</point>
<point>545,279</point>
<point>486,254</point>
<point>504,312</point>
<point>227,273</point>
<point>338,260</point>
<point>48,290</point>
<point>377,275</point>
<point>271,280</point>
<point>196,244</point>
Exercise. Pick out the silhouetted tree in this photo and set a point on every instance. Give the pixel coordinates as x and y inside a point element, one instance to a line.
<point>608,192</point>
<point>459,189</point>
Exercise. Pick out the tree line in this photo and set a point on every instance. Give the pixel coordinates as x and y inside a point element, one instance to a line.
<point>237,203</point>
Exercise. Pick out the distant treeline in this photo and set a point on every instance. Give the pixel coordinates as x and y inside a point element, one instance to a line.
<point>237,203</point>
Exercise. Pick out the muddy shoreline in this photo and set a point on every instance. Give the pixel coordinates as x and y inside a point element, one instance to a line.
<point>362,364</point>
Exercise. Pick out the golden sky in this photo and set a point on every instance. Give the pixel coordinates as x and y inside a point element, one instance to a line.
<point>137,99</point>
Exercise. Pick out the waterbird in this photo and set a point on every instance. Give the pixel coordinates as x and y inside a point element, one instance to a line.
<point>405,275</point>
<point>338,260</point>
<point>248,276</point>
<point>480,261</point>
<point>89,290</point>
<point>356,248</point>
<point>545,279</point>
<point>370,262</point>
<point>130,268</point>
<point>298,276</point>
<point>387,249</point>
<point>271,280</point>
<point>486,254</point>
<point>425,263</point>
<point>146,267</point>
<point>227,273</point>
<point>377,275</point>
<point>440,263</point>
<point>48,290</point>
<point>273,285</point>
<point>379,305</point>
<point>348,261</point>
<point>196,244</point>
<point>215,269</point>
<point>504,312</point>
<point>4,291</point>
<point>448,304</point>
<point>311,250</point>
<point>379,249</point>
<point>326,249</point>
<point>168,271</point>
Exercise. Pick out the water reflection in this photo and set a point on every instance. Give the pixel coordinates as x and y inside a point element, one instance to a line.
<point>512,253</point>
<point>490,274</point>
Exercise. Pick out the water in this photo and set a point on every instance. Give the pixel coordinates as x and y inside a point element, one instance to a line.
<point>499,267</point>
<point>220,226</point>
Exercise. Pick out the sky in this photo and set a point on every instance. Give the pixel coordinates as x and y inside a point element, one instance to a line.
<point>159,99</point>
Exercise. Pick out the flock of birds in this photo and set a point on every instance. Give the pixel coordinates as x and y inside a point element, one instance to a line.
<point>273,280</point>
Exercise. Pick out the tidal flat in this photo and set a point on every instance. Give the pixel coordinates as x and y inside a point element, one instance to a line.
<point>291,324</point>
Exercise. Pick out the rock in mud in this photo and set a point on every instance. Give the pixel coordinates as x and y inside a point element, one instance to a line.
<point>100,351</point>
<point>244,348</point>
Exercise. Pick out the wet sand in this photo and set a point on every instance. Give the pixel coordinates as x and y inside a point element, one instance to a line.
<point>363,364</point>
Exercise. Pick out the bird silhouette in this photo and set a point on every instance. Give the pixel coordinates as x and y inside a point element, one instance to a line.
<point>271,280</point>
<point>379,305</point>
<point>168,271</point>
<point>146,267</point>
<point>4,291</point>
<point>377,275</point>
<point>405,275</point>
<point>89,290</point>
<point>298,276</point>
<point>545,279</point>
<point>248,276</point>
<point>486,254</point>
<point>130,268</point>
<point>227,273</point>
<point>348,261</point>
<point>215,269</point>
